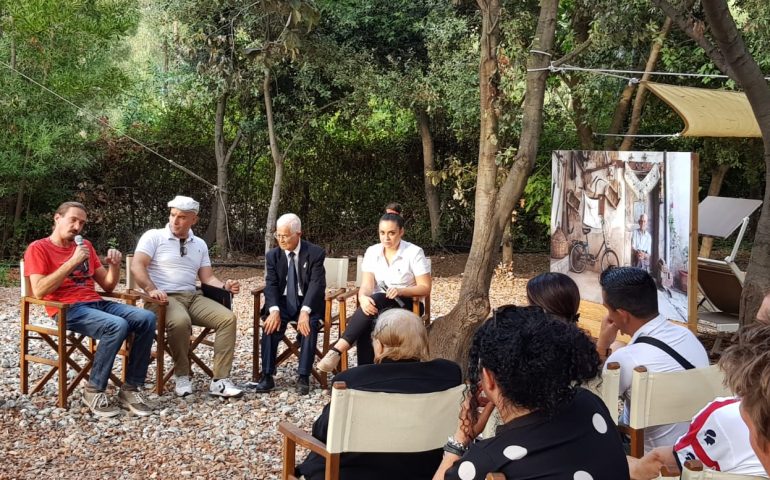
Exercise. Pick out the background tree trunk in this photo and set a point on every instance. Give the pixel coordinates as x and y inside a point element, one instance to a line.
<point>717,177</point>
<point>507,244</point>
<point>275,198</point>
<point>450,336</point>
<point>223,156</point>
<point>429,170</point>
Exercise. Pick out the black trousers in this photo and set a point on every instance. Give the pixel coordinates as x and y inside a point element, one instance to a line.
<point>360,325</point>
<point>307,345</point>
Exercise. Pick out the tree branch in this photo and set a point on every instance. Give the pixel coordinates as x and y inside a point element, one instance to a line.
<point>574,53</point>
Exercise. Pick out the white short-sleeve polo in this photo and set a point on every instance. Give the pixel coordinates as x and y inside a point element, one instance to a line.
<point>169,270</point>
<point>409,262</point>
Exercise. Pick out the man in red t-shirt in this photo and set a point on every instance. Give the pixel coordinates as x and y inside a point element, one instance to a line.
<point>63,267</point>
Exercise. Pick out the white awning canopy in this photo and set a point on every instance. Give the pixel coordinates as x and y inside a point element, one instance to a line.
<point>709,113</point>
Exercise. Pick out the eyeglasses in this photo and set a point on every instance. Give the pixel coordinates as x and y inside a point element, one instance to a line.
<point>281,238</point>
<point>182,248</point>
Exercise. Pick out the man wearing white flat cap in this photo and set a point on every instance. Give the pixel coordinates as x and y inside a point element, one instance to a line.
<point>167,262</point>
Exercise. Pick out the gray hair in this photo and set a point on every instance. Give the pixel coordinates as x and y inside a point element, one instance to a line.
<point>290,219</point>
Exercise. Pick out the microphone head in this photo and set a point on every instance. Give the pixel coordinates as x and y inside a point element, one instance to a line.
<point>79,240</point>
<point>383,286</point>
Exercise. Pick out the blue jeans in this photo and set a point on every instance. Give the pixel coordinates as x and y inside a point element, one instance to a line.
<point>110,323</point>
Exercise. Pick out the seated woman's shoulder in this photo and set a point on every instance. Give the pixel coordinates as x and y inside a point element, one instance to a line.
<point>447,367</point>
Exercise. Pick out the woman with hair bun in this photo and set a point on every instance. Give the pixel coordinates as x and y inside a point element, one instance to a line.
<point>394,271</point>
<point>530,366</point>
<point>555,293</point>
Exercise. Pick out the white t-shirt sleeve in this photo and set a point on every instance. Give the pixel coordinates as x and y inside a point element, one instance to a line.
<point>370,259</point>
<point>205,260</point>
<point>419,263</point>
<point>147,244</point>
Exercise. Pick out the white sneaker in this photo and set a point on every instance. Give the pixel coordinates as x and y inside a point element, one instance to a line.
<point>183,386</point>
<point>224,388</point>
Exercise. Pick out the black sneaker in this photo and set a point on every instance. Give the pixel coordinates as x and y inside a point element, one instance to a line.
<point>303,385</point>
<point>265,385</point>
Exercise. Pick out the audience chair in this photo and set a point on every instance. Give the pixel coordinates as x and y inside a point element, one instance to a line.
<point>661,398</point>
<point>694,470</point>
<point>607,387</point>
<point>416,302</point>
<point>336,283</point>
<point>68,347</point>
<point>364,422</point>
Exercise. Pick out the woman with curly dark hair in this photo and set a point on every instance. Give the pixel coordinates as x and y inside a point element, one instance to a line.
<point>555,293</point>
<point>530,366</point>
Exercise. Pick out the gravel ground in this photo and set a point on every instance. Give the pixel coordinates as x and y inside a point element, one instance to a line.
<point>195,437</point>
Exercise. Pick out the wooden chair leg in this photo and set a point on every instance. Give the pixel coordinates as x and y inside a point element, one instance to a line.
<point>62,360</point>
<point>343,325</point>
<point>333,467</point>
<point>637,443</point>
<point>160,350</point>
<point>24,350</point>
<point>255,373</point>
<point>289,457</point>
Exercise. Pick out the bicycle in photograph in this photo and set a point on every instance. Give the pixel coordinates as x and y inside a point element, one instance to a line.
<point>580,253</point>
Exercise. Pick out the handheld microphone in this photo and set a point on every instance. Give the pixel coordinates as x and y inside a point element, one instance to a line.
<point>79,241</point>
<point>384,287</point>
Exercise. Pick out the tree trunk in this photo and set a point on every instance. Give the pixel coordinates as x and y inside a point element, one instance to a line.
<point>450,336</point>
<point>619,117</point>
<point>275,198</point>
<point>580,115</point>
<point>223,156</point>
<point>717,177</point>
<point>750,77</point>
<point>429,171</point>
<point>641,92</point>
<point>507,244</point>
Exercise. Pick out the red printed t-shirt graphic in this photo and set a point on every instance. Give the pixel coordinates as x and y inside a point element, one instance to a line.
<point>43,257</point>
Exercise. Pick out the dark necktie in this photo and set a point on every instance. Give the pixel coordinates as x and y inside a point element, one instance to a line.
<point>292,300</point>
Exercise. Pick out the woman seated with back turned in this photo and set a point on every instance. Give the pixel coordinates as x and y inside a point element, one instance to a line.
<point>394,271</point>
<point>402,366</point>
<point>555,293</point>
<point>530,366</point>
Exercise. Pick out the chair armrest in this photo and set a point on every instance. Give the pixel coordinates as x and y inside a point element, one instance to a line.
<point>303,439</point>
<point>120,295</point>
<point>670,471</point>
<point>45,303</point>
<point>347,294</point>
<point>148,299</point>
<point>334,294</point>
<point>258,290</point>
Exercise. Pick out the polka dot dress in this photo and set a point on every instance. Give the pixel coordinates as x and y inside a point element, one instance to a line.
<point>579,443</point>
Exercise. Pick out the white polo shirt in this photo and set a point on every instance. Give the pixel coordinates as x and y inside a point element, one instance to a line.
<point>719,438</point>
<point>168,269</point>
<point>409,262</point>
<point>684,342</point>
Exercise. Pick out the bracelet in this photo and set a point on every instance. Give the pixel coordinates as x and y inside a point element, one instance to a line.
<point>455,447</point>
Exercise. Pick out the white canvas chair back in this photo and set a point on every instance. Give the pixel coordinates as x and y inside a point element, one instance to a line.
<point>130,282</point>
<point>660,398</point>
<point>26,288</point>
<point>336,272</point>
<point>362,421</point>
<point>607,387</point>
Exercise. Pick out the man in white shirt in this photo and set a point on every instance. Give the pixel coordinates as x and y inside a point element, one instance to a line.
<point>631,299</point>
<point>167,263</point>
<point>641,245</point>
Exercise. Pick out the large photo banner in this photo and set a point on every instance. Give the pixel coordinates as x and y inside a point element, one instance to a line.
<point>625,209</point>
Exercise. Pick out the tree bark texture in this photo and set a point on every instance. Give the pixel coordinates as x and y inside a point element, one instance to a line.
<point>429,170</point>
<point>223,155</point>
<point>450,336</point>
<point>641,92</point>
<point>717,178</point>
<point>750,77</point>
<point>275,198</point>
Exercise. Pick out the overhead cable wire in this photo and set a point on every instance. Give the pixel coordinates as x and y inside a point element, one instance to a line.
<point>100,122</point>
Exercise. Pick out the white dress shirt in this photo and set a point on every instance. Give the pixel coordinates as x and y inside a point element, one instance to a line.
<point>409,262</point>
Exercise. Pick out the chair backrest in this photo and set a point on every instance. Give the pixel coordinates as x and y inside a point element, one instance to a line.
<point>607,387</point>
<point>720,286</point>
<point>361,421</point>
<point>130,282</point>
<point>336,272</point>
<point>26,287</point>
<point>660,398</point>
<point>694,470</point>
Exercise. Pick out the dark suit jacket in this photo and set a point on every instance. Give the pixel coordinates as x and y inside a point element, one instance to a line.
<point>312,278</point>
<point>390,377</point>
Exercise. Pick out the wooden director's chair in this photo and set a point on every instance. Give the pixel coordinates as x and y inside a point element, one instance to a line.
<point>661,398</point>
<point>417,302</point>
<point>68,347</point>
<point>362,421</point>
<point>196,339</point>
<point>336,283</point>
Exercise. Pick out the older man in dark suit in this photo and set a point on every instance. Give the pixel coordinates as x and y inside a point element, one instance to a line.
<point>295,284</point>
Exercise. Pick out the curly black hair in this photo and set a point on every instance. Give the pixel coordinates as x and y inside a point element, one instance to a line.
<point>538,361</point>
